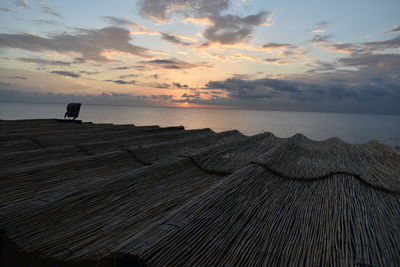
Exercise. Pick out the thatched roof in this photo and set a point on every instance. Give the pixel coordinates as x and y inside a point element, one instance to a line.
<point>105,194</point>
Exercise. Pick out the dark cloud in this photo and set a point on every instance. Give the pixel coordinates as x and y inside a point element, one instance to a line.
<point>224,29</point>
<point>242,76</point>
<point>135,67</point>
<point>195,95</point>
<point>396,28</point>
<point>254,89</point>
<point>368,47</point>
<point>277,61</point>
<point>178,85</point>
<point>158,85</point>
<point>231,29</point>
<point>345,48</point>
<point>23,4</point>
<point>271,60</point>
<point>322,66</point>
<point>377,62</point>
<point>18,77</point>
<point>89,43</point>
<point>318,39</point>
<point>122,82</point>
<point>122,68</point>
<point>65,73</point>
<point>133,82</point>
<point>3,9</point>
<point>49,10</point>
<point>323,23</point>
<point>44,61</point>
<point>128,76</point>
<point>106,98</point>
<point>391,43</point>
<point>4,83</point>
<point>90,72</point>
<point>172,63</point>
<point>162,97</point>
<point>46,22</point>
<point>278,46</point>
<point>173,39</point>
<point>160,10</point>
<point>372,86</point>
<point>124,22</point>
<point>188,98</point>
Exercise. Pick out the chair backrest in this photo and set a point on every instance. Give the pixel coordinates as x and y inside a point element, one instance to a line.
<point>73,110</point>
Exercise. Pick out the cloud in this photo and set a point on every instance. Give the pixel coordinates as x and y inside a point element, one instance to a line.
<point>172,63</point>
<point>243,56</point>
<point>276,61</point>
<point>285,50</point>
<point>368,47</point>
<point>142,30</point>
<point>173,39</point>
<point>323,23</point>
<point>4,83</point>
<point>188,98</point>
<point>347,48</point>
<point>319,27</point>
<point>232,29</point>
<point>202,21</point>
<point>135,67</point>
<point>317,31</point>
<point>3,9</point>
<point>44,61</point>
<point>22,4</point>
<point>128,76</point>
<point>122,82</point>
<point>222,29</point>
<point>162,97</point>
<point>180,86</point>
<point>49,10</point>
<point>318,39</point>
<point>373,86</point>
<point>391,43</point>
<point>89,72</point>
<point>124,22</point>
<point>133,82</point>
<point>323,66</point>
<point>259,88</point>
<point>17,77</point>
<point>161,10</point>
<point>66,73</point>
<point>378,62</point>
<point>106,98</point>
<point>396,28</point>
<point>45,22</point>
<point>158,85</point>
<point>273,46</point>
<point>91,44</point>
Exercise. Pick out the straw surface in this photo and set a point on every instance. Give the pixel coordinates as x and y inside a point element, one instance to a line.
<point>83,194</point>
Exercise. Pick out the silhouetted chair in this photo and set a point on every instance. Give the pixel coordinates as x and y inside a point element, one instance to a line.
<point>73,110</point>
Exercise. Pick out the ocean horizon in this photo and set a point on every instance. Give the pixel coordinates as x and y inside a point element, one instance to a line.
<point>350,127</point>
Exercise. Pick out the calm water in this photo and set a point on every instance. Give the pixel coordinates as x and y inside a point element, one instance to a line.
<point>354,128</point>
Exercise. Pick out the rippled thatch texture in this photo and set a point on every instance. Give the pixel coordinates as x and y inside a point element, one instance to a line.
<point>76,194</point>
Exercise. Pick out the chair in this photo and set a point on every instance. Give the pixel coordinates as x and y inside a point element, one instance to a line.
<point>73,110</point>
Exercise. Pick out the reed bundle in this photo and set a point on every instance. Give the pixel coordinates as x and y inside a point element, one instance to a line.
<point>96,194</point>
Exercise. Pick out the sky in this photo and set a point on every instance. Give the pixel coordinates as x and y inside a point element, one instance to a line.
<point>310,55</point>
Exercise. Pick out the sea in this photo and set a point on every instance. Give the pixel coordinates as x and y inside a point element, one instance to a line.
<point>352,128</point>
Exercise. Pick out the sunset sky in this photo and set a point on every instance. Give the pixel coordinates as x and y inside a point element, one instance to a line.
<point>311,55</point>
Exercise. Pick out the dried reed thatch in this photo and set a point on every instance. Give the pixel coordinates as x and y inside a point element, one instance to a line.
<point>86,194</point>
